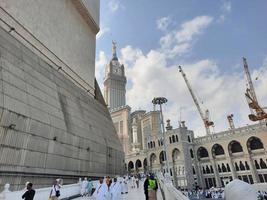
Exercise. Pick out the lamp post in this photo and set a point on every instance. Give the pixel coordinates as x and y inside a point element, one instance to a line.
<point>159,101</point>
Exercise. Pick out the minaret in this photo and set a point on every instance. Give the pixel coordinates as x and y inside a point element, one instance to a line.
<point>114,82</point>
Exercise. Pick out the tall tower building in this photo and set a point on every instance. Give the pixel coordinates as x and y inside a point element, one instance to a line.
<point>114,82</point>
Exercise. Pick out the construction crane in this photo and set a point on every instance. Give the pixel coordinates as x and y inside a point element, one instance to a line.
<point>231,121</point>
<point>204,117</point>
<point>257,112</point>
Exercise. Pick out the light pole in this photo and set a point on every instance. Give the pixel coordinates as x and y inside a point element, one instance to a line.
<point>159,101</point>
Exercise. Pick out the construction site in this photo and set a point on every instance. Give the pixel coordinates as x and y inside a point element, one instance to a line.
<point>212,160</point>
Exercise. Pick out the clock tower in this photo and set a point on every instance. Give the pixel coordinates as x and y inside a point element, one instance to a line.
<point>114,82</point>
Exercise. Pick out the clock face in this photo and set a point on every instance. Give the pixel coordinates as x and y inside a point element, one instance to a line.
<point>117,70</point>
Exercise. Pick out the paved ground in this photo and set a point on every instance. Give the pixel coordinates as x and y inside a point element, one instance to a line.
<point>133,194</point>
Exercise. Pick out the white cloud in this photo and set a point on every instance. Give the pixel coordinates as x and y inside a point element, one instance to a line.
<point>114,5</point>
<point>192,28</point>
<point>150,75</point>
<point>179,41</point>
<point>102,31</point>
<point>163,23</point>
<point>226,8</point>
<point>101,62</point>
<point>222,93</point>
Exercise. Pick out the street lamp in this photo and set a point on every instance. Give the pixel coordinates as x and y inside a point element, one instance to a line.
<point>159,101</point>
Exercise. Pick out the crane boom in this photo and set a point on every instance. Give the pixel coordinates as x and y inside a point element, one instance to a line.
<point>204,118</point>
<point>248,77</point>
<point>257,112</point>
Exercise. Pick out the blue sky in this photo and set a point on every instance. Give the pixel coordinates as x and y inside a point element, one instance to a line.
<point>208,38</point>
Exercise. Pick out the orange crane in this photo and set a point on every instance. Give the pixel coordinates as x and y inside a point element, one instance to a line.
<point>205,118</point>
<point>257,112</point>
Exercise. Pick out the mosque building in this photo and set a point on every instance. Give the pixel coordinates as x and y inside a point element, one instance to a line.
<point>208,161</point>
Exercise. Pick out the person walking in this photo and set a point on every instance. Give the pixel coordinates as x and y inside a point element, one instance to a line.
<point>152,188</point>
<point>84,186</point>
<point>29,194</point>
<point>146,186</point>
<point>89,188</point>
<point>55,190</point>
<point>115,190</point>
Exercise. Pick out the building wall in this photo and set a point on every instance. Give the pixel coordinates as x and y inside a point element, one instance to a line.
<point>60,26</point>
<point>49,127</point>
<point>189,164</point>
<point>120,118</point>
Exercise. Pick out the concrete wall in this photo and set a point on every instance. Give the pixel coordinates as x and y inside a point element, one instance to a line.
<point>49,127</point>
<point>60,26</point>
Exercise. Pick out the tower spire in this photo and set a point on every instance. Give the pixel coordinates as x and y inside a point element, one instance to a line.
<point>114,47</point>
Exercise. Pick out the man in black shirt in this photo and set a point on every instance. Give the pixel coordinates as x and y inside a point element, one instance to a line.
<point>29,194</point>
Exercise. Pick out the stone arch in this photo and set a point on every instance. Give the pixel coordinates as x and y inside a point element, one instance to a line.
<point>235,147</point>
<point>162,156</point>
<point>152,158</point>
<point>130,166</point>
<point>175,154</point>
<point>138,164</point>
<point>217,150</point>
<point>254,143</point>
<point>202,152</point>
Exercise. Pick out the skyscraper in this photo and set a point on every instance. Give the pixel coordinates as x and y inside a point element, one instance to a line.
<point>114,82</point>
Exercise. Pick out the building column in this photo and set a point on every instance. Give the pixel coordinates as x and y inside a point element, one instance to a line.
<point>233,172</point>
<point>253,170</point>
<point>200,176</point>
<point>216,173</point>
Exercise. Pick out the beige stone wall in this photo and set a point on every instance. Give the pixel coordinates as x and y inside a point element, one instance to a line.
<point>60,26</point>
<point>49,127</point>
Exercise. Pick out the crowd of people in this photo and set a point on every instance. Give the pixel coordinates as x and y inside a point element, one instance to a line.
<point>212,193</point>
<point>262,195</point>
<point>106,189</point>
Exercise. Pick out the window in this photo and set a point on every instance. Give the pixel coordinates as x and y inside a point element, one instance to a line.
<point>262,164</point>
<point>228,167</point>
<point>170,140</point>
<point>261,178</point>
<point>211,169</point>
<point>121,127</point>
<point>191,153</point>
<point>250,179</point>
<point>256,164</point>
<point>236,167</point>
<point>177,140</point>
<point>188,138</point>
<point>219,169</point>
<point>173,138</point>
<point>247,166</point>
<point>224,168</point>
<point>241,166</point>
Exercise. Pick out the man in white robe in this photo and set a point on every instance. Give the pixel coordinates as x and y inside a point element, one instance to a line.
<point>125,186</point>
<point>101,190</point>
<point>84,186</point>
<point>115,190</point>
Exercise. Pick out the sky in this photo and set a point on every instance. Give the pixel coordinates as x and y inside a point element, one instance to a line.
<point>208,38</point>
